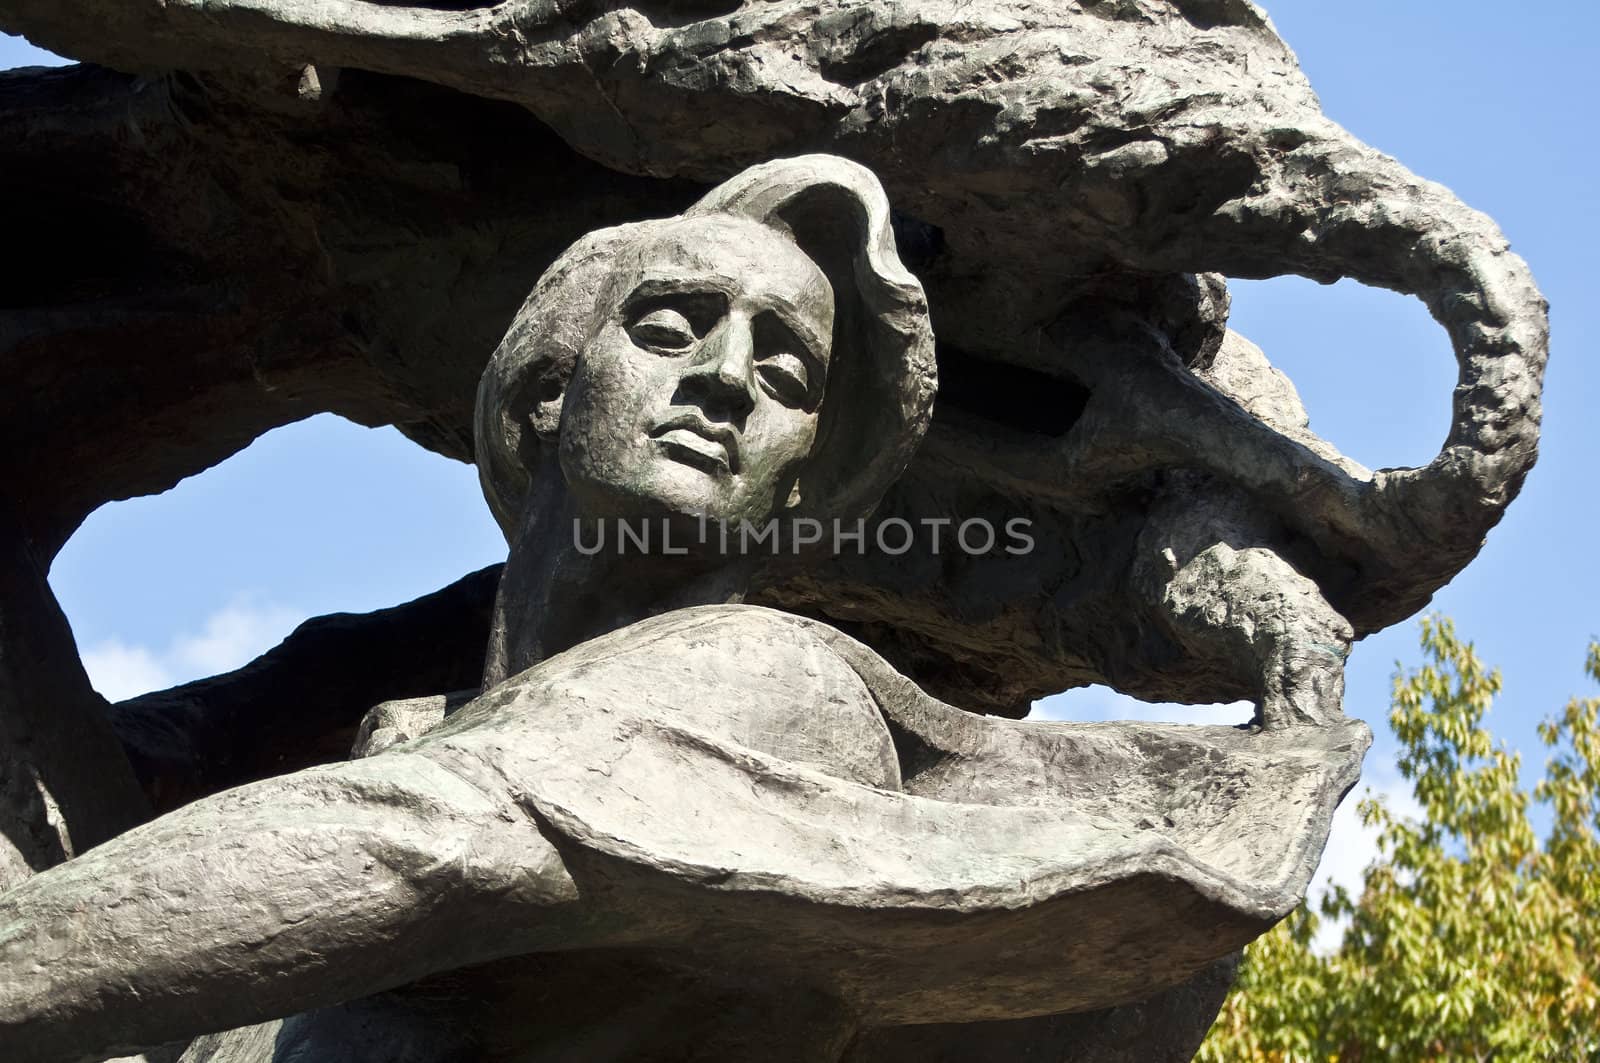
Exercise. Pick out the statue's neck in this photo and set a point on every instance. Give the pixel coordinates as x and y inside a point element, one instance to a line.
<point>566,583</point>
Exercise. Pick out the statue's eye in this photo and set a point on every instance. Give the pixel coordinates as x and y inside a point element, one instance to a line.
<point>785,377</point>
<point>663,329</point>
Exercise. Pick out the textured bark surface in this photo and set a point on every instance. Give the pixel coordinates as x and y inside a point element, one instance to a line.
<point>64,783</point>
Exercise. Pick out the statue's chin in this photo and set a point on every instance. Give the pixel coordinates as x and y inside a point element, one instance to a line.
<point>679,491</point>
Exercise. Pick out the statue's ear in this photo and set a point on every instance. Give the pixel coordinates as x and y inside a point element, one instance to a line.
<point>532,420</point>
<point>545,413</point>
<point>546,419</point>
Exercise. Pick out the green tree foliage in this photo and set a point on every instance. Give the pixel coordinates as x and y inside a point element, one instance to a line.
<point>1470,939</point>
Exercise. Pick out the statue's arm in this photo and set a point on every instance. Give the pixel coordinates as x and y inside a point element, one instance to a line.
<point>922,907</point>
<point>337,882</point>
<point>282,895</point>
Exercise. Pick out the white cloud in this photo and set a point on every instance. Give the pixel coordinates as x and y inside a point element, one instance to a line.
<point>119,671</point>
<point>232,636</point>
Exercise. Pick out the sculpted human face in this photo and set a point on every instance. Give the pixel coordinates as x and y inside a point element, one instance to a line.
<point>700,391</point>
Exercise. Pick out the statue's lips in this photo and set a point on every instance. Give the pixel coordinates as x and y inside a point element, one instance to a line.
<point>697,443</point>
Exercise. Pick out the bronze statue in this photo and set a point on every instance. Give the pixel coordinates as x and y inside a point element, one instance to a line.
<point>662,785</point>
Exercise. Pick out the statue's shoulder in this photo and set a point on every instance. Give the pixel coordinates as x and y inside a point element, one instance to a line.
<point>736,622</point>
<point>762,679</point>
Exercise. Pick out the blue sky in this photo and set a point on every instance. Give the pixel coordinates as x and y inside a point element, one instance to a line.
<point>1493,101</point>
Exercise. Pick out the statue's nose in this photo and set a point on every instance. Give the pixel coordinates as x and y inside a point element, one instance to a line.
<point>722,374</point>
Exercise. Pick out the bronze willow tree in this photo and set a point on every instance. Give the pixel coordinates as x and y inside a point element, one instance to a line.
<point>238,213</point>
